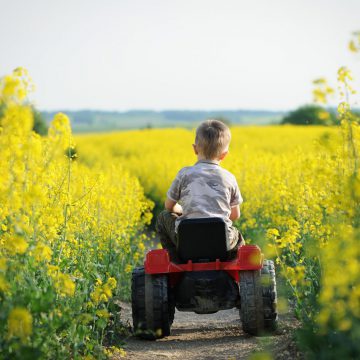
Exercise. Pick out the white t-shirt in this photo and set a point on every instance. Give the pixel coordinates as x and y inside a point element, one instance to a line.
<point>205,190</point>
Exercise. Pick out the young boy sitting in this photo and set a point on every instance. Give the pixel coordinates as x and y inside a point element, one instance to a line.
<point>203,190</point>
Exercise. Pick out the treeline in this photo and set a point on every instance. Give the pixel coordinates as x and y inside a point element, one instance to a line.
<point>94,120</point>
<point>315,115</point>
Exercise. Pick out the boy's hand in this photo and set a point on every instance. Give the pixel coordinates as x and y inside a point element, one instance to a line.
<point>173,206</point>
<point>235,213</point>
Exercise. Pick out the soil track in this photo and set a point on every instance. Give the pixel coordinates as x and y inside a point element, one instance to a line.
<point>216,336</point>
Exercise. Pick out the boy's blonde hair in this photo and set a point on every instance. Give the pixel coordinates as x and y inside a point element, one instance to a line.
<point>212,138</point>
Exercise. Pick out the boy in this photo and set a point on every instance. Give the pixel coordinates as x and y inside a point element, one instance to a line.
<point>203,190</point>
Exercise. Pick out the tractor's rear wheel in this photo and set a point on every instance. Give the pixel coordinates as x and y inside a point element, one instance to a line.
<point>152,305</point>
<point>251,308</point>
<point>269,294</point>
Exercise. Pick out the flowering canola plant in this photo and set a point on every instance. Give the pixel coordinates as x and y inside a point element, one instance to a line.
<point>64,228</point>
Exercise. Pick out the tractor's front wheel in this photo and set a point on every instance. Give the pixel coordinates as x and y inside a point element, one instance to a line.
<point>152,305</point>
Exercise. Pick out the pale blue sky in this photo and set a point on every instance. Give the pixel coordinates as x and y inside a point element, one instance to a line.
<point>177,54</point>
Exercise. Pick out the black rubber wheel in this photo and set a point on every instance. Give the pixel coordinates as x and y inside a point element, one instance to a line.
<point>152,305</point>
<point>251,307</point>
<point>268,282</point>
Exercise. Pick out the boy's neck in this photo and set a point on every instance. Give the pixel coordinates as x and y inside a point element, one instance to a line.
<point>214,161</point>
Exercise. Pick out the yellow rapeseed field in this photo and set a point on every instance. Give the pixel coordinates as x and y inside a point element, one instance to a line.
<point>73,212</point>
<point>300,202</point>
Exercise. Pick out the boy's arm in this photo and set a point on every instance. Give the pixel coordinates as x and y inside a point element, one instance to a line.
<point>235,212</point>
<point>235,202</point>
<point>173,206</point>
<point>174,194</point>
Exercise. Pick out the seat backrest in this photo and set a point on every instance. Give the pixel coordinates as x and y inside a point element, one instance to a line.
<point>202,239</point>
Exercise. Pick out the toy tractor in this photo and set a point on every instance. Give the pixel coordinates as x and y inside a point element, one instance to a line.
<point>204,282</point>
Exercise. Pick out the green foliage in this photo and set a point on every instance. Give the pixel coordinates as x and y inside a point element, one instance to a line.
<point>40,126</point>
<point>310,115</point>
<point>332,344</point>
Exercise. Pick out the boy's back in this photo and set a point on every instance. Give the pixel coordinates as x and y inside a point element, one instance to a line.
<point>205,190</point>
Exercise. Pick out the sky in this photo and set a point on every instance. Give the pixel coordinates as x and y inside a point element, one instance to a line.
<point>177,54</point>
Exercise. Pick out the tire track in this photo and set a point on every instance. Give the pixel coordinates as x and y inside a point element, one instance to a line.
<point>213,336</point>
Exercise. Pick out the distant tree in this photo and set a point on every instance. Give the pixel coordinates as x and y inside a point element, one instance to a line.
<point>310,115</point>
<point>40,126</point>
<point>223,119</point>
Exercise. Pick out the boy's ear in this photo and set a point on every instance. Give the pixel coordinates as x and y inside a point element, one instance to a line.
<point>195,149</point>
<point>223,155</point>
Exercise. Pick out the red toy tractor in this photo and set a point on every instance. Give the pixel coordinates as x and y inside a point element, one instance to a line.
<point>204,282</point>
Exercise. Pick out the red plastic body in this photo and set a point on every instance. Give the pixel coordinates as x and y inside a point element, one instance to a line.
<point>249,257</point>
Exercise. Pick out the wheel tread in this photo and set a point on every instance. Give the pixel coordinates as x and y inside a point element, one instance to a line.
<point>152,306</point>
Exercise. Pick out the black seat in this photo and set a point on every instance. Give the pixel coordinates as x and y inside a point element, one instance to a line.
<point>202,240</point>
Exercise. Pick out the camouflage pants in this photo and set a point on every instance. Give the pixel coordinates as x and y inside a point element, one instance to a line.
<point>165,227</point>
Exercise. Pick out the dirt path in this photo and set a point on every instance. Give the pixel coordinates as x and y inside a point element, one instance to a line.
<point>216,336</point>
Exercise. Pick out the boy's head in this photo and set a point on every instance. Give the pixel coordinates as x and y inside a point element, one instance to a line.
<point>212,140</point>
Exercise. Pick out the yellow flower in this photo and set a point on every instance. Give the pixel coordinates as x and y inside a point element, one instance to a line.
<point>42,252</point>
<point>352,46</point>
<point>4,285</point>
<point>344,74</point>
<point>271,233</point>
<point>64,285</point>
<point>107,290</point>
<point>60,130</point>
<point>115,352</point>
<point>52,270</point>
<point>112,283</point>
<point>103,298</point>
<point>101,294</point>
<point>319,96</point>
<point>103,313</point>
<point>343,108</point>
<point>15,244</point>
<point>89,305</point>
<point>19,324</point>
<point>3,264</point>
<point>95,295</point>
<point>320,81</point>
<point>322,91</point>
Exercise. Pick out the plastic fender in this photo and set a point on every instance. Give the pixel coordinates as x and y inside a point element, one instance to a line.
<point>250,257</point>
<point>157,261</point>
